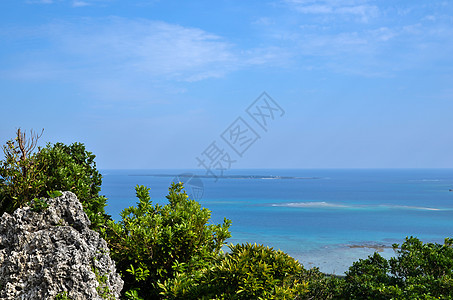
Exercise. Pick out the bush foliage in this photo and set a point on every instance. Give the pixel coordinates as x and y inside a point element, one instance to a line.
<point>246,272</point>
<point>73,168</point>
<point>26,174</point>
<point>254,272</point>
<point>152,244</point>
<point>419,271</point>
<point>21,173</point>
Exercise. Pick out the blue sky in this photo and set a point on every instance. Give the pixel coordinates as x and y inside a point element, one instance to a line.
<point>152,84</point>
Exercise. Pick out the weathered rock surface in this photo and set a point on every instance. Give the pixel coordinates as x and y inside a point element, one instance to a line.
<point>43,254</point>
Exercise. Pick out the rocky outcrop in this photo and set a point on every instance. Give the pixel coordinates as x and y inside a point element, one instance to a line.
<point>53,252</point>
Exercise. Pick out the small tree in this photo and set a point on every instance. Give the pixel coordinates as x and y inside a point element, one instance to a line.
<point>20,173</point>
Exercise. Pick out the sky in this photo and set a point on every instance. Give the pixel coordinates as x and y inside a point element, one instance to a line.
<point>227,84</point>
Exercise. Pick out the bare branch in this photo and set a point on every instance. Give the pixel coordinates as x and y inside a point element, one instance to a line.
<point>27,146</point>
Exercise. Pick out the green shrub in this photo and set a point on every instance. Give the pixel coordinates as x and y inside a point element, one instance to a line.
<point>247,272</point>
<point>255,271</point>
<point>25,175</point>
<point>21,178</point>
<point>152,243</point>
<point>420,271</point>
<point>320,285</point>
<point>72,168</point>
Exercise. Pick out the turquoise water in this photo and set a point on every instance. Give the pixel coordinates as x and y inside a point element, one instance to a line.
<point>323,218</point>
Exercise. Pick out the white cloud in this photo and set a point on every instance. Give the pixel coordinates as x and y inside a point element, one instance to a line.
<point>160,51</point>
<point>334,45</point>
<point>315,9</point>
<point>80,3</point>
<point>118,59</point>
<point>40,1</point>
<point>151,48</point>
<point>74,3</point>
<point>264,21</point>
<point>365,12</point>
<point>356,36</point>
<point>430,18</point>
<point>383,34</point>
<point>359,9</point>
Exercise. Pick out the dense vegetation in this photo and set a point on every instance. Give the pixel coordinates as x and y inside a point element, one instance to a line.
<point>173,252</point>
<point>25,175</point>
<point>165,246</point>
<point>420,271</point>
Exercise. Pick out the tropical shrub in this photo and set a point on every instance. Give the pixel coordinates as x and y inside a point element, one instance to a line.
<point>246,272</point>
<point>26,174</point>
<point>152,244</point>
<point>20,177</point>
<point>73,168</point>
<point>419,271</point>
<point>320,285</point>
<point>256,272</point>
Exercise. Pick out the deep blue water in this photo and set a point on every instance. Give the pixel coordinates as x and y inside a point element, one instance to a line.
<point>314,215</point>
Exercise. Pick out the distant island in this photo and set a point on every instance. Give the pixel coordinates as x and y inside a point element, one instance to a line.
<point>229,176</point>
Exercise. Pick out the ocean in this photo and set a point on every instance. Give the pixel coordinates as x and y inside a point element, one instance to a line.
<point>326,218</point>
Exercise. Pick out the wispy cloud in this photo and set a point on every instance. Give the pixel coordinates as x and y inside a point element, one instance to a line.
<point>73,3</point>
<point>39,1</point>
<point>357,36</point>
<point>360,9</point>
<point>80,3</point>
<point>114,57</point>
<point>154,49</point>
<point>151,48</point>
<point>377,52</point>
<point>137,49</point>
